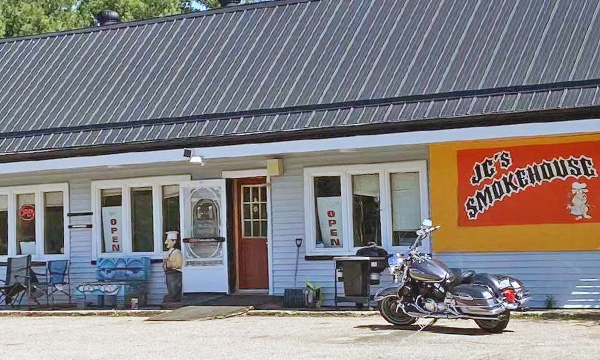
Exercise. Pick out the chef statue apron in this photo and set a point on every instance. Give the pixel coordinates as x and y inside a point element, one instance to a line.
<point>172,263</point>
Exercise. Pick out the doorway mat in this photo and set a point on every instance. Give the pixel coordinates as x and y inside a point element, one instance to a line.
<point>263,302</point>
<point>190,313</point>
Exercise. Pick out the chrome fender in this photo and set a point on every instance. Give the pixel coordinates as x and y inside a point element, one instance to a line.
<point>385,293</point>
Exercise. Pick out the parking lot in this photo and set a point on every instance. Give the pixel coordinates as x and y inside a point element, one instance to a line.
<point>248,337</point>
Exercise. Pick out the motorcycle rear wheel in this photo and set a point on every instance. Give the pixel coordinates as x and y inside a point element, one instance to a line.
<point>494,326</point>
<point>387,309</point>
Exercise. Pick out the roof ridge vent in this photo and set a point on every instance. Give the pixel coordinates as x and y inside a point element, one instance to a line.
<point>108,17</point>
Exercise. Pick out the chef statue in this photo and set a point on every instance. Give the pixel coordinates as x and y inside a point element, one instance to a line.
<point>172,263</point>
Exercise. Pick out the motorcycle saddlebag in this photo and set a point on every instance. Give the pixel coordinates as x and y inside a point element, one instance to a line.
<point>498,282</point>
<point>476,299</point>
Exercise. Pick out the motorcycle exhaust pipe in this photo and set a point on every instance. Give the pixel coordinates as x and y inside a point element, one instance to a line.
<point>448,316</point>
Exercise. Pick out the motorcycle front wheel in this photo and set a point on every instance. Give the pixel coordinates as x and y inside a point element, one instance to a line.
<point>495,326</point>
<point>388,308</point>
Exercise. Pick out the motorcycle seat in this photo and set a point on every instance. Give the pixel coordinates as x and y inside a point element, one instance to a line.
<point>463,277</point>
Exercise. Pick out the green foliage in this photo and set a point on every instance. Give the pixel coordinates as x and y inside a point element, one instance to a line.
<point>550,302</point>
<point>31,17</point>
<point>28,17</point>
<point>130,10</point>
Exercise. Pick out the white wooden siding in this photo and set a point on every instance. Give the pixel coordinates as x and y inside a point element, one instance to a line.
<point>79,181</point>
<point>572,278</point>
<point>288,216</point>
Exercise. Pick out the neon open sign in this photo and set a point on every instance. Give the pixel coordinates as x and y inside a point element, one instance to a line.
<point>27,212</point>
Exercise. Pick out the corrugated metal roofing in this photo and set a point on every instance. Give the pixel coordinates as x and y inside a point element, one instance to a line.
<point>293,53</point>
<point>449,108</point>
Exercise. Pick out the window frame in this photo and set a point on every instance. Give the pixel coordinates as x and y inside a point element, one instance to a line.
<point>126,185</point>
<point>345,172</point>
<point>38,190</point>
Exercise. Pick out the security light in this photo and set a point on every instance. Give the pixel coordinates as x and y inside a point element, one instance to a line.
<point>194,159</point>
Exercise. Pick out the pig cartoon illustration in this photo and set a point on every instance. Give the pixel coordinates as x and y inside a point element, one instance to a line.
<point>579,203</point>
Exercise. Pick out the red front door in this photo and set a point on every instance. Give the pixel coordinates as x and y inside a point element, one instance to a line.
<point>252,234</point>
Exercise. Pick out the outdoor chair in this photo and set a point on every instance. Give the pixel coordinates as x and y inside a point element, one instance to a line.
<point>56,279</point>
<point>19,281</point>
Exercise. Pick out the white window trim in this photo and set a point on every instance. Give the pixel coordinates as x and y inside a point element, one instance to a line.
<point>38,190</point>
<point>126,185</point>
<point>345,172</point>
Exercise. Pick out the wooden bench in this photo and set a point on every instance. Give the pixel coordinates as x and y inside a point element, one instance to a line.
<point>119,277</point>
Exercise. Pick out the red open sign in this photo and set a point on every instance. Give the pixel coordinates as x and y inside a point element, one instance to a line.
<point>27,212</point>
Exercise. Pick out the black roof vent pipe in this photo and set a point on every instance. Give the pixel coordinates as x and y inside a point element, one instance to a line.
<point>108,17</point>
<point>227,3</point>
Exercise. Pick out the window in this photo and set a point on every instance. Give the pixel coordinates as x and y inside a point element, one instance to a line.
<point>134,214</point>
<point>54,218</point>
<point>3,225</point>
<point>406,207</point>
<point>170,209</point>
<point>328,210</point>
<point>25,216</point>
<point>366,220</point>
<point>112,218</point>
<point>254,211</point>
<point>141,219</point>
<point>347,207</point>
<point>33,221</point>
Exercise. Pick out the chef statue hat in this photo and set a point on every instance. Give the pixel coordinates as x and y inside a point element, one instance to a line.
<point>172,235</point>
<point>579,186</point>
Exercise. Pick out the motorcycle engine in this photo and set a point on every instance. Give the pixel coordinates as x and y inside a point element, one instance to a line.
<point>433,306</point>
<point>433,298</point>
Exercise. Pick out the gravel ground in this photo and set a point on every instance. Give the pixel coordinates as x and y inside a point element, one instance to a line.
<point>255,337</point>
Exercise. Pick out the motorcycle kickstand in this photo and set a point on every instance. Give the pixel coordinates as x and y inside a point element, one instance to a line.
<point>421,328</point>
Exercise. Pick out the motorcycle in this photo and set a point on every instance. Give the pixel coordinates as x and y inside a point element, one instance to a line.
<point>426,288</point>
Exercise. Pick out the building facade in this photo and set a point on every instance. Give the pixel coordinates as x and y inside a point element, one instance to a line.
<point>335,122</point>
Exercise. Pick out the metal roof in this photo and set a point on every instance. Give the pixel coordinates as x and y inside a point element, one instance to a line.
<point>327,63</point>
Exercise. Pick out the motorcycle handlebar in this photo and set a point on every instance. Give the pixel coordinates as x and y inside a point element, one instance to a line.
<point>421,235</point>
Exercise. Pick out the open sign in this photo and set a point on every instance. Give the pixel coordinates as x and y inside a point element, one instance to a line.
<point>27,212</point>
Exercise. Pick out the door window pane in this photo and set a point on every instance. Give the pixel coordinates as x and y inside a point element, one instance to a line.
<point>112,227</point>
<point>170,208</point>
<point>328,209</point>
<point>365,209</point>
<point>54,231</point>
<point>254,209</point>
<point>406,208</point>
<point>3,225</point>
<point>26,224</point>
<point>142,226</point>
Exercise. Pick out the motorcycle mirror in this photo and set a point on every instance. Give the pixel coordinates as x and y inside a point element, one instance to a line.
<point>427,223</point>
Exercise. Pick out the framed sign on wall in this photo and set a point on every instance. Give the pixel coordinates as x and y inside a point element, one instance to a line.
<point>535,184</point>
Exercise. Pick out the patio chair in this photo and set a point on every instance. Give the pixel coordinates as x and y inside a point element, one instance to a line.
<point>19,281</point>
<point>57,279</point>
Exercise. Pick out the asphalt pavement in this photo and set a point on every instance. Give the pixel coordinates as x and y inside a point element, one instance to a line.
<point>259,337</point>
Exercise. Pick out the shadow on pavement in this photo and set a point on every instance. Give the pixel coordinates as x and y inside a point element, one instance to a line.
<point>431,329</point>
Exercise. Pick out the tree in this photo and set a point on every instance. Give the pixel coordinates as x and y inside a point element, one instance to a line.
<point>31,17</point>
<point>130,10</point>
<point>19,18</point>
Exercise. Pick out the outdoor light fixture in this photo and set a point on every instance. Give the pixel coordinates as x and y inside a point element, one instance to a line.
<point>194,159</point>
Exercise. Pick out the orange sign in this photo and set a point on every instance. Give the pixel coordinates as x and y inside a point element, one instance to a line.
<point>533,184</point>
